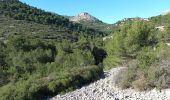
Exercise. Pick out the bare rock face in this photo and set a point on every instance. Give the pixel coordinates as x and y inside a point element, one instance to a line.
<point>84,16</point>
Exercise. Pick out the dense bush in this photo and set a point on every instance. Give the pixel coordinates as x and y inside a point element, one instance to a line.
<point>129,41</point>
<point>38,88</point>
<point>160,20</point>
<point>43,54</point>
<point>32,69</point>
<point>151,69</point>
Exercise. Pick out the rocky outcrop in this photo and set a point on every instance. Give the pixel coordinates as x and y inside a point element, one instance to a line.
<point>160,28</point>
<point>105,89</point>
<point>107,37</point>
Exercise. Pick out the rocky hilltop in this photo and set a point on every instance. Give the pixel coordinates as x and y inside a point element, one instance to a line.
<point>84,16</point>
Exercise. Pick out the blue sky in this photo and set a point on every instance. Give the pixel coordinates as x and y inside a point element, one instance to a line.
<point>108,11</point>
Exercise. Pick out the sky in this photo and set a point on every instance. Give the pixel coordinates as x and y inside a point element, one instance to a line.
<point>109,11</point>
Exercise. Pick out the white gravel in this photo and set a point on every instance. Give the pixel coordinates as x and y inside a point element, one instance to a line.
<point>105,89</point>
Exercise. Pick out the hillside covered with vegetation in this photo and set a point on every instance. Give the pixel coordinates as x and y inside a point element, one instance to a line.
<point>43,54</point>
<point>101,26</point>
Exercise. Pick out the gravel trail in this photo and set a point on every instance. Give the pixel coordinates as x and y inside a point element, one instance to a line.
<point>105,89</point>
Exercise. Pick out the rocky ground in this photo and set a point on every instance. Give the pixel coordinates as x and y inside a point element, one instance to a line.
<point>105,89</point>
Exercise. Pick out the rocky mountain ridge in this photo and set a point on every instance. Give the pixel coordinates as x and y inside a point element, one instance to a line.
<point>84,16</point>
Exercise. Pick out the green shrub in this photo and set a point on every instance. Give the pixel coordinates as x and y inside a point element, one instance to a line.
<point>146,57</point>
<point>36,88</point>
<point>152,69</point>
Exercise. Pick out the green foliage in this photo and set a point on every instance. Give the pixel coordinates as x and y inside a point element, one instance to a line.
<point>161,20</point>
<point>36,88</point>
<point>146,57</point>
<point>101,26</point>
<point>140,41</point>
<point>33,69</point>
<point>2,56</point>
<point>43,54</point>
<point>150,71</point>
<point>128,41</point>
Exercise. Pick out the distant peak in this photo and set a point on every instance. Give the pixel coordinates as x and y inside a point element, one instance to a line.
<point>83,16</point>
